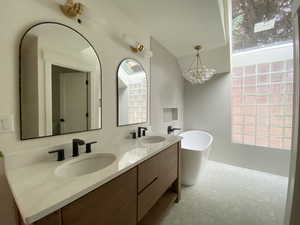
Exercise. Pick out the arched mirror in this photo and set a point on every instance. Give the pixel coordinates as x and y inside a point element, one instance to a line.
<point>132,93</point>
<point>60,82</point>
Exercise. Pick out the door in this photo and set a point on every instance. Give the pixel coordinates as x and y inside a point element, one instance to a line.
<point>73,102</point>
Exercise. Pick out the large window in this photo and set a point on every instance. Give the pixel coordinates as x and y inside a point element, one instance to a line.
<point>262,79</point>
<point>259,23</point>
<point>262,104</point>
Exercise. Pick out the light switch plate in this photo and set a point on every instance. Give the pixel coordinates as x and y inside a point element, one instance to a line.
<point>6,123</point>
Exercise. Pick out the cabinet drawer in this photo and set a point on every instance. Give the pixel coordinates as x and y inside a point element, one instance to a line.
<point>148,171</point>
<point>52,219</point>
<point>148,198</point>
<point>114,203</point>
<point>156,175</point>
<point>164,162</point>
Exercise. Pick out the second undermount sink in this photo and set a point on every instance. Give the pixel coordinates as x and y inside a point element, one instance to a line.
<point>85,165</point>
<point>152,139</point>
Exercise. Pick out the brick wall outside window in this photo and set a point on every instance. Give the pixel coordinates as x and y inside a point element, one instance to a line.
<point>137,102</point>
<point>262,103</point>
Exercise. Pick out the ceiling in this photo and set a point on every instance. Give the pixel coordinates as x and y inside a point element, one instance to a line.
<point>179,25</point>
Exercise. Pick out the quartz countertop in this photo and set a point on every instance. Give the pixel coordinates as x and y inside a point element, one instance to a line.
<point>38,192</point>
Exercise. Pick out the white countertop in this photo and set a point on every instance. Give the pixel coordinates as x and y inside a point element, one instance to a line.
<point>38,192</point>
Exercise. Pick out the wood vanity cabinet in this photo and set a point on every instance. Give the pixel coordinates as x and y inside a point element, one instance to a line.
<point>126,199</point>
<point>113,203</point>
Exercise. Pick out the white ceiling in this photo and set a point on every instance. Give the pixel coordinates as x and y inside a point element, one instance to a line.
<point>179,25</point>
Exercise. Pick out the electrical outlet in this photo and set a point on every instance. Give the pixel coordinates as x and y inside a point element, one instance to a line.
<point>6,123</point>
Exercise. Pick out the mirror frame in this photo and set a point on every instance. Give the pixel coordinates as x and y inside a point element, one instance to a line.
<point>117,94</point>
<point>20,78</point>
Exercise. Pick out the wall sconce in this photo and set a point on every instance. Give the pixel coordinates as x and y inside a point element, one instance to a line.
<point>76,10</point>
<point>71,9</point>
<point>137,47</point>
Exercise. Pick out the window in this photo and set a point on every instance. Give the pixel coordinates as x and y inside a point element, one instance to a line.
<point>249,14</point>
<point>262,104</point>
<point>262,73</point>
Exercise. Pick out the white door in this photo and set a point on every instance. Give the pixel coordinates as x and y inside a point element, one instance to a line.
<point>73,102</point>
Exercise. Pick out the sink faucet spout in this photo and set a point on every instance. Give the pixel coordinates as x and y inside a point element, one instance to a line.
<point>76,143</point>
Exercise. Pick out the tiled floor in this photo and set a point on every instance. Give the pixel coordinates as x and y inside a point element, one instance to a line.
<point>228,195</point>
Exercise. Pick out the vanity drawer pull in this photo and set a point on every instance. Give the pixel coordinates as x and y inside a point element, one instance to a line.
<point>155,179</point>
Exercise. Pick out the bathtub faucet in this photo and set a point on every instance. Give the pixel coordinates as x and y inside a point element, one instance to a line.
<point>172,129</point>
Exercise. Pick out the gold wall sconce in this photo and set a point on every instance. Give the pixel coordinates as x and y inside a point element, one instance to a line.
<point>77,10</point>
<point>71,9</point>
<point>136,46</point>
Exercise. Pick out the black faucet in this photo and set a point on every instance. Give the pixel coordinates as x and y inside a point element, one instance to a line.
<point>133,134</point>
<point>88,147</point>
<point>140,129</point>
<point>60,154</point>
<point>171,129</point>
<point>76,143</point>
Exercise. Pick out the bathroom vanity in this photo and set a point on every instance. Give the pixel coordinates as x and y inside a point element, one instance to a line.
<point>125,182</point>
<point>142,178</point>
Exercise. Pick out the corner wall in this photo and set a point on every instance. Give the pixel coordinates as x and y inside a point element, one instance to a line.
<point>166,88</point>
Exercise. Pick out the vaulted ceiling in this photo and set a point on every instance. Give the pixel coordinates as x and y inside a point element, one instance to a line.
<point>179,25</point>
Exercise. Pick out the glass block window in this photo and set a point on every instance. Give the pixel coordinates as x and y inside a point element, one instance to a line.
<point>262,104</point>
<point>137,100</point>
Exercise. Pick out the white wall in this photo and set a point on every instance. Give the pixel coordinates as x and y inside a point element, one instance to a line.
<point>207,107</point>
<point>166,87</point>
<point>16,17</point>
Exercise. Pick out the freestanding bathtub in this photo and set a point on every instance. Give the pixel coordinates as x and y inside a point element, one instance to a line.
<point>196,145</point>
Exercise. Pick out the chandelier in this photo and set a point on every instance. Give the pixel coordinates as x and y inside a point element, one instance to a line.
<point>198,73</point>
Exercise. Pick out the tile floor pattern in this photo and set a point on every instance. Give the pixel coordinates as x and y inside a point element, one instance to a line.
<point>229,195</point>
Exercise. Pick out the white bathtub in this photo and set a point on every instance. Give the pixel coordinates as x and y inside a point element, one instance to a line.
<point>196,145</point>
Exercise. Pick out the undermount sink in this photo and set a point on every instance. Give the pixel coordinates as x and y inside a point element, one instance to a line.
<point>85,165</point>
<point>152,139</point>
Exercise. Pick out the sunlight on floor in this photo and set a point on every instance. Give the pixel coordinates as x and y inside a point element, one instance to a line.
<point>228,195</point>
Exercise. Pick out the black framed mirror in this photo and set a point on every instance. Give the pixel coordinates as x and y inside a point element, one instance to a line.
<point>60,82</point>
<point>132,93</point>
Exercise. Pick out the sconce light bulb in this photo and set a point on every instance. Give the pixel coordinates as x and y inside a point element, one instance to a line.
<point>140,47</point>
<point>72,9</point>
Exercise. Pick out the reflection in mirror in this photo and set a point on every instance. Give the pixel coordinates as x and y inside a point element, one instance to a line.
<point>60,82</point>
<point>132,93</point>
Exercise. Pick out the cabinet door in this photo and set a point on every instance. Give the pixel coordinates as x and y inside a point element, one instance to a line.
<point>114,203</point>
